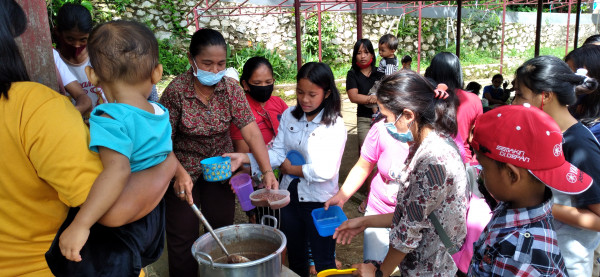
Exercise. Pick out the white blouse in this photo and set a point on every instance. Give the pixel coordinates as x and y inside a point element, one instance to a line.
<point>322,147</point>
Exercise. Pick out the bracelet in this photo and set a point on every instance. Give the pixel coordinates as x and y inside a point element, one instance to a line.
<point>267,171</point>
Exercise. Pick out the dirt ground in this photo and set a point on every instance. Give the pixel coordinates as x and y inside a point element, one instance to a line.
<point>347,254</point>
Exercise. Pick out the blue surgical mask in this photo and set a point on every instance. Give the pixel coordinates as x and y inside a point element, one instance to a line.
<point>208,78</point>
<point>393,131</point>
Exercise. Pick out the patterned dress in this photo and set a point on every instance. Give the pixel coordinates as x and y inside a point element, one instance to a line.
<point>433,180</point>
<point>201,131</point>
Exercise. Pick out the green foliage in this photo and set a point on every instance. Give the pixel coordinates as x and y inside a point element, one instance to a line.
<point>310,39</point>
<point>173,59</point>
<point>530,52</point>
<point>283,69</point>
<point>119,6</point>
<point>483,20</point>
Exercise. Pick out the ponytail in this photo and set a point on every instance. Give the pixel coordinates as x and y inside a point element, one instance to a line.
<point>409,90</point>
<point>551,74</point>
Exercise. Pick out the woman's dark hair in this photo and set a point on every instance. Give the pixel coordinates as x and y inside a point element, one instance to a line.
<point>369,46</point>
<point>406,59</point>
<point>588,107</point>
<point>74,17</point>
<point>409,90</point>
<point>445,68</point>
<point>13,23</point>
<point>251,65</point>
<point>204,38</point>
<point>593,39</point>
<point>551,74</point>
<point>473,87</point>
<point>320,74</point>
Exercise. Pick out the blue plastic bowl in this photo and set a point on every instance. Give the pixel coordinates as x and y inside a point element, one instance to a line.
<point>295,158</point>
<point>216,169</point>
<point>327,221</point>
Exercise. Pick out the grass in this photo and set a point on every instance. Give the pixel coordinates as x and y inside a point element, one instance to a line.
<point>468,57</point>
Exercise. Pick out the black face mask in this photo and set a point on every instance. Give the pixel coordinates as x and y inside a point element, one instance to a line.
<point>318,109</point>
<point>260,93</point>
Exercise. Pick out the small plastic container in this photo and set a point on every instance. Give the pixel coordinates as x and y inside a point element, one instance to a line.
<point>327,220</point>
<point>295,158</point>
<point>242,185</point>
<point>258,201</point>
<point>216,168</point>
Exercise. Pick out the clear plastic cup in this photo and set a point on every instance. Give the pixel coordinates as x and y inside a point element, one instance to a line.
<point>242,185</point>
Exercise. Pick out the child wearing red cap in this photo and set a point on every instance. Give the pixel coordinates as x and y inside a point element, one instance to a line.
<point>520,238</point>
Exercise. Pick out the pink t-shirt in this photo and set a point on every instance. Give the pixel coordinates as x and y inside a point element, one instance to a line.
<point>379,147</point>
<point>468,110</point>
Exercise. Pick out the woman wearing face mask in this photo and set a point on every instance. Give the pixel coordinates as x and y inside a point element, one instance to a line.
<point>73,27</point>
<point>383,150</point>
<point>361,77</point>
<point>315,129</point>
<point>432,180</point>
<point>202,106</point>
<point>257,81</point>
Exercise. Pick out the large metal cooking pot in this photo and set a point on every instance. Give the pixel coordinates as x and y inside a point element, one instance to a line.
<point>260,243</point>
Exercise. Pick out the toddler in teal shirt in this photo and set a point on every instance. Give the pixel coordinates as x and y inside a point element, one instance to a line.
<point>130,134</point>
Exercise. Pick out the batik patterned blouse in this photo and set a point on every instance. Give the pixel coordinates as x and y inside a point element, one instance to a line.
<point>433,180</point>
<point>202,130</point>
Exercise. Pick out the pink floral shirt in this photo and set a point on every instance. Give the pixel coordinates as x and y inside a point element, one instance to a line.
<point>202,131</point>
<point>433,180</point>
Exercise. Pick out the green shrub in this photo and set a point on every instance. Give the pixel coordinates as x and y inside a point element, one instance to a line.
<point>173,59</point>
<point>310,39</point>
<point>283,69</point>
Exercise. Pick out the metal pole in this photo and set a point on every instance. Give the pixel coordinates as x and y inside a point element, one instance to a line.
<point>538,27</point>
<point>568,25</point>
<point>419,40</point>
<point>359,19</point>
<point>298,34</point>
<point>458,26</point>
<point>503,36</point>
<point>577,17</point>
<point>196,19</point>
<point>320,38</point>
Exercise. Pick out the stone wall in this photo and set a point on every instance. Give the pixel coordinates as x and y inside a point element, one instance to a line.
<point>277,31</point>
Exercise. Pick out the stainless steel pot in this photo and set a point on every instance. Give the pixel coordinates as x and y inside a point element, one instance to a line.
<point>261,243</point>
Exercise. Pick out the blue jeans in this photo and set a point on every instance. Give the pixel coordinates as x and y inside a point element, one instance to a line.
<point>298,227</point>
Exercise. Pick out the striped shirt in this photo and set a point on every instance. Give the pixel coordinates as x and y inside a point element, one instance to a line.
<point>388,65</point>
<point>518,242</point>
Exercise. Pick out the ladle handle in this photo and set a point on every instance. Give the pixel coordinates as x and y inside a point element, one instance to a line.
<point>205,222</point>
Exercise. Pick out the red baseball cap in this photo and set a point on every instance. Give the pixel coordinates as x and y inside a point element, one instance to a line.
<point>527,137</point>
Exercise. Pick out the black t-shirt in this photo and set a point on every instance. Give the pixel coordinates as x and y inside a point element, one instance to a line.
<point>582,150</point>
<point>363,84</point>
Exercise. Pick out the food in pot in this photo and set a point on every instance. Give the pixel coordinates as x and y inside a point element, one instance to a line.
<point>270,197</point>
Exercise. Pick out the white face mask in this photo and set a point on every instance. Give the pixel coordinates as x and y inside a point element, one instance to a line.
<point>208,78</point>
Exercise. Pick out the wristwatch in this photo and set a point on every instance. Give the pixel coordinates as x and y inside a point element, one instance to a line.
<point>378,273</point>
